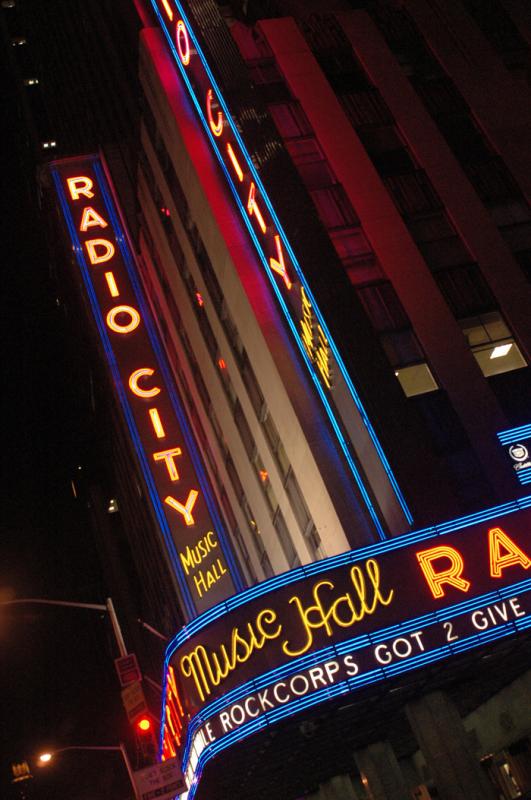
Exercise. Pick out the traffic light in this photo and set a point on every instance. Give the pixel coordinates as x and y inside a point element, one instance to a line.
<point>145,736</point>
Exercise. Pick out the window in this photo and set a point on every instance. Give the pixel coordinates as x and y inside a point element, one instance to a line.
<point>251,384</point>
<point>465,290</point>
<point>383,307</point>
<point>290,119</point>
<point>285,539</point>
<point>492,344</point>
<point>334,207</point>
<point>416,379</point>
<point>244,430</point>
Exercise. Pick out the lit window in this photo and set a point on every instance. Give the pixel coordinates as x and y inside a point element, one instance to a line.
<point>416,379</point>
<point>49,145</point>
<point>31,81</point>
<point>491,342</point>
<point>18,41</point>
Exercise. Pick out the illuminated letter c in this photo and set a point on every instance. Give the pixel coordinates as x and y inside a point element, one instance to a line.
<point>135,388</point>
<point>215,127</point>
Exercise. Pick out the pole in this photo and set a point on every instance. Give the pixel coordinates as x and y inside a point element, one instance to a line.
<point>108,607</point>
<point>115,748</point>
<point>116,627</point>
<point>129,769</point>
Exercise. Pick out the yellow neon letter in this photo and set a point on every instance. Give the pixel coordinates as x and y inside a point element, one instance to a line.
<point>91,219</point>
<point>167,9</point>
<point>215,127</point>
<point>134,319</point>
<point>252,207</point>
<point>157,423</point>
<point>167,456</point>
<point>235,162</point>
<point>135,388</point>
<point>181,38</point>
<point>186,509</point>
<point>498,539</point>
<point>111,283</point>
<point>450,575</point>
<point>91,245</point>
<point>84,188</point>
<point>279,265</point>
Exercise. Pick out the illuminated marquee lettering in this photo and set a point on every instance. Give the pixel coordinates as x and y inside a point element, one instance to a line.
<point>80,186</point>
<point>341,402</point>
<point>131,322</point>
<point>101,257</point>
<point>196,528</point>
<point>353,621</point>
<point>216,126</point>
<point>514,556</point>
<point>450,573</point>
<point>168,456</point>
<point>136,389</point>
<point>315,341</point>
<point>91,219</point>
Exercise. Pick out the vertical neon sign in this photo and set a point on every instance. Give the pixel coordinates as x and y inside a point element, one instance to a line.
<point>179,490</point>
<point>323,360</point>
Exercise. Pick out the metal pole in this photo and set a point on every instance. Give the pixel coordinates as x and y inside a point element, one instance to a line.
<point>116,627</point>
<point>129,769</point>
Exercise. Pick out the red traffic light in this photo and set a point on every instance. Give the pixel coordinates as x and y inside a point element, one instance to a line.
<point>143,724</point>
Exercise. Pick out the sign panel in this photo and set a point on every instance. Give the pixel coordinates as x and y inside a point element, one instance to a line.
<point>160,781</point>
<point>517,444</point>
<point>134,700</point>
<point>346,622</point>
<point>127,669</point>
<point>167,454</point>
<point>340,399</point>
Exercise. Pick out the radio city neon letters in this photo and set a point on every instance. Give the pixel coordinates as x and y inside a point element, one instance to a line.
<point>192,529</point>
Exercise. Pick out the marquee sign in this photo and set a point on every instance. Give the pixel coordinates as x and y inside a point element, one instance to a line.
<point>179,490</point>
<point>339,397</point>
<point>334,626</point>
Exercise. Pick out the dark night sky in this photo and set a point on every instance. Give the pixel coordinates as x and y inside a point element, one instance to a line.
<point>57,679</point>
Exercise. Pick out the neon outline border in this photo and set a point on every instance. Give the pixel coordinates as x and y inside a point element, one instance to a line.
<point>455,609</point>
<point>350,386</point>
<point>120,233</point>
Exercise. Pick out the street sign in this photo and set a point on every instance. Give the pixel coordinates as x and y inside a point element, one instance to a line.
<point>134,700</point>
<point>128,669</point>
<point>160,782</point>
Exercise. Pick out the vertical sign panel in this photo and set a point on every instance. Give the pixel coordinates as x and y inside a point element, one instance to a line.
<point>179,490</point>
<point>340,399</point>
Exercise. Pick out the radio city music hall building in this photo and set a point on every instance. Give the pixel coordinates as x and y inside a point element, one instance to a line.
<point>316,330</point>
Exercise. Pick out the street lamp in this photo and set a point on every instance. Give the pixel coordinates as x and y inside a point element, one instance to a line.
<point>108,607</point>
<point>45,758</point>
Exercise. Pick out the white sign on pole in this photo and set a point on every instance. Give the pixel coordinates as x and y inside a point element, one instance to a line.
<point>161,781</point>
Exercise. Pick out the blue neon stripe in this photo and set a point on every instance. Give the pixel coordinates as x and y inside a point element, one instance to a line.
<point>513,434</point>
<point>387,468</point>
<point>352,557</point>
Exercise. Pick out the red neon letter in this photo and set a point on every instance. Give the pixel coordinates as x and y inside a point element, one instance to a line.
<point>84,188</point>
<point>91,245</point>
<point>135,388</point>
<point>183,43</point>
<point>498,539</point>
<point>450,575</point>
<point>167,456</point>
<point>252,207</point>
<point>186,509</point>
<point>117,327</point>
<point>215,127</point>
<point>278,265</point>
<point>91,219</point>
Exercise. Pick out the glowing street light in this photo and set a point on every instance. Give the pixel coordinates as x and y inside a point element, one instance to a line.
<point>45,758</point>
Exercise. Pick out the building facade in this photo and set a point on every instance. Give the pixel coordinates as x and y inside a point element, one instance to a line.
<point>331,238</point>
